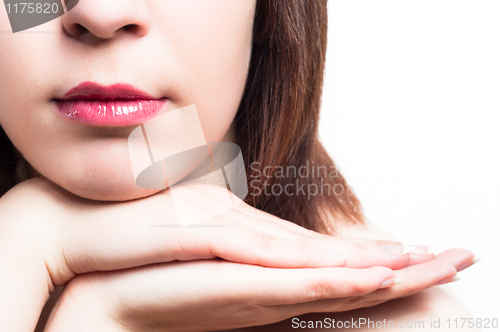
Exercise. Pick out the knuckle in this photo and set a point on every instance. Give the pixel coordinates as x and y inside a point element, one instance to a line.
<point>354,301</point>
<point>321,289</point>
<point>350,248</point>
<point>325,289</point>
<point>302,237</point>
<point>358,246</point>
<point>375,302</point>
<point>265,241</point>
<point>444,267</point>
<point>450,269</point>
<point>358,287</point>
<point>362,302</point>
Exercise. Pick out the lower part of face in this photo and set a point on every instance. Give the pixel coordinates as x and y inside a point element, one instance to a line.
<point>191,52</point>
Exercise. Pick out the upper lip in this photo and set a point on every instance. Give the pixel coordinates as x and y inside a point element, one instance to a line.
<point>95,91</point>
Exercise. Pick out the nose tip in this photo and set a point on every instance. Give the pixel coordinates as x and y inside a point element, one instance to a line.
<point>107,19</point>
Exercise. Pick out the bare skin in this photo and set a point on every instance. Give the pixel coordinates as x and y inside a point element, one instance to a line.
<point>173,50</point>
<point>436,302</point>
<point>422,306</point>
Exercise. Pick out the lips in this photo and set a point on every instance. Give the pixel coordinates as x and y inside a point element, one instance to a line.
<point>117,105</point>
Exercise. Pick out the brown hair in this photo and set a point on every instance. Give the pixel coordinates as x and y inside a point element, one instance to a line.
<point>277,121</point>
<point>8,162</point>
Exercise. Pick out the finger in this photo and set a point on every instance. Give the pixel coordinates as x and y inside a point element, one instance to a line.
<point>357,255</point>
<point>394,246</point>
<point>458,257</point>
<point>420,277</point>
<point>414,279</point>
<point>362,255</point>
<point>391,246</point>
<point>265,216</point>
<point>417,254</point>
<point>241,283</point>
<point>306,285</point>
<point>415,259</point>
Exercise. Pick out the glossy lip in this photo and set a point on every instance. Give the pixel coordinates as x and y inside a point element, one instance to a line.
<point>117,105</point>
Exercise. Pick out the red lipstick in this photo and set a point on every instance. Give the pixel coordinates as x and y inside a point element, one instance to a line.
<point>117,105</point>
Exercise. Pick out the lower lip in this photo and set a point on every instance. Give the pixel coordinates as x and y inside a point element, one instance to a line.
<point>114,113</point>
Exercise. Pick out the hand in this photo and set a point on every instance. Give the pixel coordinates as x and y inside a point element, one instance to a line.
<point>59,235</point>
<point>217,295</point>
<point>87,236</point>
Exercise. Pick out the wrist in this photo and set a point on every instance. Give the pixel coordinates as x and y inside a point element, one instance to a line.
<point>80,307</point>
<point>25,286</point>
<point>28,237</point>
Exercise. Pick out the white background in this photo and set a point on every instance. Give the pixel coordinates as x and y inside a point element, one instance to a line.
<point>411,115</point>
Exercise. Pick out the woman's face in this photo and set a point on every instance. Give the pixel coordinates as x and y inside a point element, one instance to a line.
<point>189,51</point>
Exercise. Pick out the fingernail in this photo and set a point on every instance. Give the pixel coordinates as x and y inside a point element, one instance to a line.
<point>397,249</point>
<point>448,280</point>
<point>420,249</point>
<point>390,282</point>
<point>407,249</point>
<point>476,259</point>
<point>473,261</point>
<point>432,250</point>
<point>392,248</point>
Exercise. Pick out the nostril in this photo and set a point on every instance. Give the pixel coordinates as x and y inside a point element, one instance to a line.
<point>131,27</point>
<point>80,29</point>
<point>138,30</point>
<point>75,30</point>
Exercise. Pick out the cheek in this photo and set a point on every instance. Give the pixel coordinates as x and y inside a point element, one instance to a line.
<point>28,70</point>
<point>28,61</point>
<point>214,46</point>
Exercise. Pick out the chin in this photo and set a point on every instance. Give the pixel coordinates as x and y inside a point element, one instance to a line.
<point>104,189</point>
<point>102,175</point>
<point>111,194</point>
